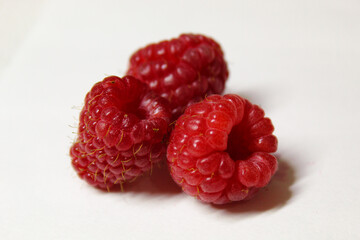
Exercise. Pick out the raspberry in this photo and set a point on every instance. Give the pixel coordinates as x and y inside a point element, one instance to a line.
<point>219,149</point>
<point>183,70</point>
<point>120,133</point>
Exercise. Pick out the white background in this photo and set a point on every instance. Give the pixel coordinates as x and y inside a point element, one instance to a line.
<point>299,60</point>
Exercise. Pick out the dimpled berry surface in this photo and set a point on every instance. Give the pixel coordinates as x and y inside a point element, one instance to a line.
<point>219,150</point>
<point>120,134</point>
<point>183,70</point>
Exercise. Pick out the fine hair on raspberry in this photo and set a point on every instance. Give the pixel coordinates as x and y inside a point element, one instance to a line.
<point>219,150</point>
<point>120,133</point>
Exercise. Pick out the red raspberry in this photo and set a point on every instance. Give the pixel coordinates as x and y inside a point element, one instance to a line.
<point>219,149</point>
<point>120,132</point>
<point>182,70</point>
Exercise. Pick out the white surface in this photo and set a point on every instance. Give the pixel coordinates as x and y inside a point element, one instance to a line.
<point>299,60</point>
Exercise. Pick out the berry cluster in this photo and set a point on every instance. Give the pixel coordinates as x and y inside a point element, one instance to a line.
<point>121,131</point>
<point>182,70</point>
<point>219,148</point>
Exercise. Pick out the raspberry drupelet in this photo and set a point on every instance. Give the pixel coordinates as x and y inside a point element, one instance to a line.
<point>183,70</point>
<point>120,132</point>
<point>219,149</point>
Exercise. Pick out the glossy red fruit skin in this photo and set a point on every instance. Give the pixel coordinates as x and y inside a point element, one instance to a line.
<point>120,133</point>
<point>183,70</point>
<point>219,150</point>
